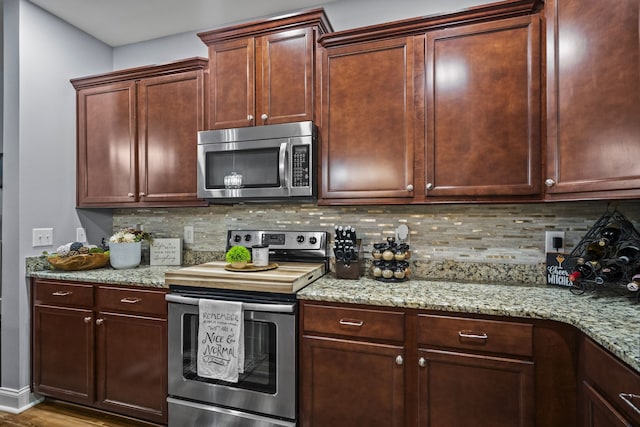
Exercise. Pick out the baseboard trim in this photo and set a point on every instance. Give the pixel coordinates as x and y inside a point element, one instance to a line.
<point>16,401</point>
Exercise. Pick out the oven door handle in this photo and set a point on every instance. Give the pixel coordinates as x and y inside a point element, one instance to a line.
<point>247,306</point>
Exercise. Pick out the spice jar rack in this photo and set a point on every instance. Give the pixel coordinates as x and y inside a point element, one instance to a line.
<point>390,261</point>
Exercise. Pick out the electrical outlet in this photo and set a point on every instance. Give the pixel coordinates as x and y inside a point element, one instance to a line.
<point>188,233</point>
<point>548,241</point>
<point>42,237</point>
<point>81,235</point>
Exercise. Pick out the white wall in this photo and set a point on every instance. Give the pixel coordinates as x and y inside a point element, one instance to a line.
<point>343,14</point>
<point>42,53</point>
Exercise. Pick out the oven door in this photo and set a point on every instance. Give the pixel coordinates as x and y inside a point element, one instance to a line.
<point>268,385</point>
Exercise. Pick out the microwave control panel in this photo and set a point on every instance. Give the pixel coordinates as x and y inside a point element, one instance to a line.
<point>300,166</point>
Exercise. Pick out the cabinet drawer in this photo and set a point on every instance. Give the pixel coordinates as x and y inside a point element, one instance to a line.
<point>354,322</point>
<point>132,300</point>
<point>51,292</point>
<point>476,334</point>
<point>612,378</point>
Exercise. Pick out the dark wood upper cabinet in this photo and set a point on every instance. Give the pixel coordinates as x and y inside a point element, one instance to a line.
<point>435,109</point>
<point>483,110</point>
<point>264,72</point>
<point>137,135</point>
<point>367,148</point>
<point>593,103</point>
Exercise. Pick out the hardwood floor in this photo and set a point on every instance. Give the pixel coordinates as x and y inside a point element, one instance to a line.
<point>52,413</point>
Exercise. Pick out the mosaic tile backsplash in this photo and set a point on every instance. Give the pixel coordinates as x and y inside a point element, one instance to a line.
<point>480,242</point>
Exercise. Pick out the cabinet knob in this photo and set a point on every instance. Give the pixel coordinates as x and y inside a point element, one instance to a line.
<point>143,194</point>
<point>250,118</point>
<point>87,319</point>
<point>549,182</point>
<point>130,195</point>
<point>99,321</point>
<point>410,187</point>
<point>429,186</point>
<point>264,117</point>
<point>422,362</point>
<point>399,360</point>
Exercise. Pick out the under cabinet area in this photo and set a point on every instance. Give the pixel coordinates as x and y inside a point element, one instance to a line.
<point>137,135</point>
<point>101,346</point>
<point>264,72</point>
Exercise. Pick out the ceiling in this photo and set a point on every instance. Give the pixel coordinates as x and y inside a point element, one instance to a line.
<point>120,22</point>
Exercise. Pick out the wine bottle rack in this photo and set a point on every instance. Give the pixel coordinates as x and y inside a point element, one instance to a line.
<point>628,236</point>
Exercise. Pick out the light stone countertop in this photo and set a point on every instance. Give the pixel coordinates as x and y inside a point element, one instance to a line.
<point>609,316</point>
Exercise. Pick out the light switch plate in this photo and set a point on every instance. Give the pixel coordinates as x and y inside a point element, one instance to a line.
<point>42,237</point>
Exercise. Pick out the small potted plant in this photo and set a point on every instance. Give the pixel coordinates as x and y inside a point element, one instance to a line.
<point>238,256</point>
<point>125,247</point>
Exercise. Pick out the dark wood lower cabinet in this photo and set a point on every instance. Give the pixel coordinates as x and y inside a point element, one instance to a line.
<point>458,389</point>
<point>598,412</point>
<point>101,346</point>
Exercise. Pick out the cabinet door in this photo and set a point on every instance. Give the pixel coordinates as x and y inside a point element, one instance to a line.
<point>63,353</point>
<point>483,110</point>
<point>347,383</point>
<point>107,145</point>
<point>285,76</point>
<point>457,389</point>
<point>598,412</point>
<point>367,145</point>
<point>131,365</point>
<point>170,114</point>
<point>593,109</point>
<point>232,84</point>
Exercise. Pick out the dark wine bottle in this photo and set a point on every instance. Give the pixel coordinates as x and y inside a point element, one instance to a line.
<point>610,234</point>
<point>611,272</point>
<point>584,270</point>
<point>634,284</point>
<point>628,253</point>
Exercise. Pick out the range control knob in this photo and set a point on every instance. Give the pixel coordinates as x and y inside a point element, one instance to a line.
<point>313,240</point>
<point>247,237</point>
<point>300,238</point>
<point>237,238</point>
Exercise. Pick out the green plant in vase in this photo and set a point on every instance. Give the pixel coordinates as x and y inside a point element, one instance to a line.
<point>238,256</point>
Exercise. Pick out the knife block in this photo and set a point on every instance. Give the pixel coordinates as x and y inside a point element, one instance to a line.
<point>354,269</point>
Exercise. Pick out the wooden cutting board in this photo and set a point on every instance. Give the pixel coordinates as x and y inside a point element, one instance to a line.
<point>288,277</point>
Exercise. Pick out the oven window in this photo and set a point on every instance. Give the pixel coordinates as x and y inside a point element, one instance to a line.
<point>259,168</point>
<point>259,349</point>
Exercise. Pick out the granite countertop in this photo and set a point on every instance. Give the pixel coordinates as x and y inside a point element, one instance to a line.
<point>609,316</point>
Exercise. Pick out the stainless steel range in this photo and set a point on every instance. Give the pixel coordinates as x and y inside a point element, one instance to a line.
<point>266,393</point>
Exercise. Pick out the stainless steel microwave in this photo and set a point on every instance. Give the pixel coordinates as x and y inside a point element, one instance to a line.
<point>260,163</point>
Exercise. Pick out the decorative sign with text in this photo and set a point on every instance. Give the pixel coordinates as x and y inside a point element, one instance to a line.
<point>559,267</point>
<point>165,252</point>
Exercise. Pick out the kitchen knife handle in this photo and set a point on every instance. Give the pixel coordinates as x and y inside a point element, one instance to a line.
<point>352,322</point>
<point>473,335</point>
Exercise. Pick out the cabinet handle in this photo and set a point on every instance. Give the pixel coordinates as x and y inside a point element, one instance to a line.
<point>429,186</point>
<point>142,194</point>
<point>264,117</point>
<point>410,187</point>
<point>627,397</point>
<point>87,319</point>
<point>549,182</point>
<point>61,293</point>
<point>99,321</point>
<point>250,118</point>
<point>130,195</point>
<point>352,322</point>
<point>399,360</point>
<point>473,335</point>
<point>422,362</point>
<point>130,300</point>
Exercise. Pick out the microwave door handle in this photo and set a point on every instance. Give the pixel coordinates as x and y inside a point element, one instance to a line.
<point>282,167</point>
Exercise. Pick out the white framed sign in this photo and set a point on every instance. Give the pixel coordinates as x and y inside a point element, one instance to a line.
<point>165,252</point>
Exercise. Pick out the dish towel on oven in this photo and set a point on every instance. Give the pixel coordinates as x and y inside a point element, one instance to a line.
<point>220,340</point>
